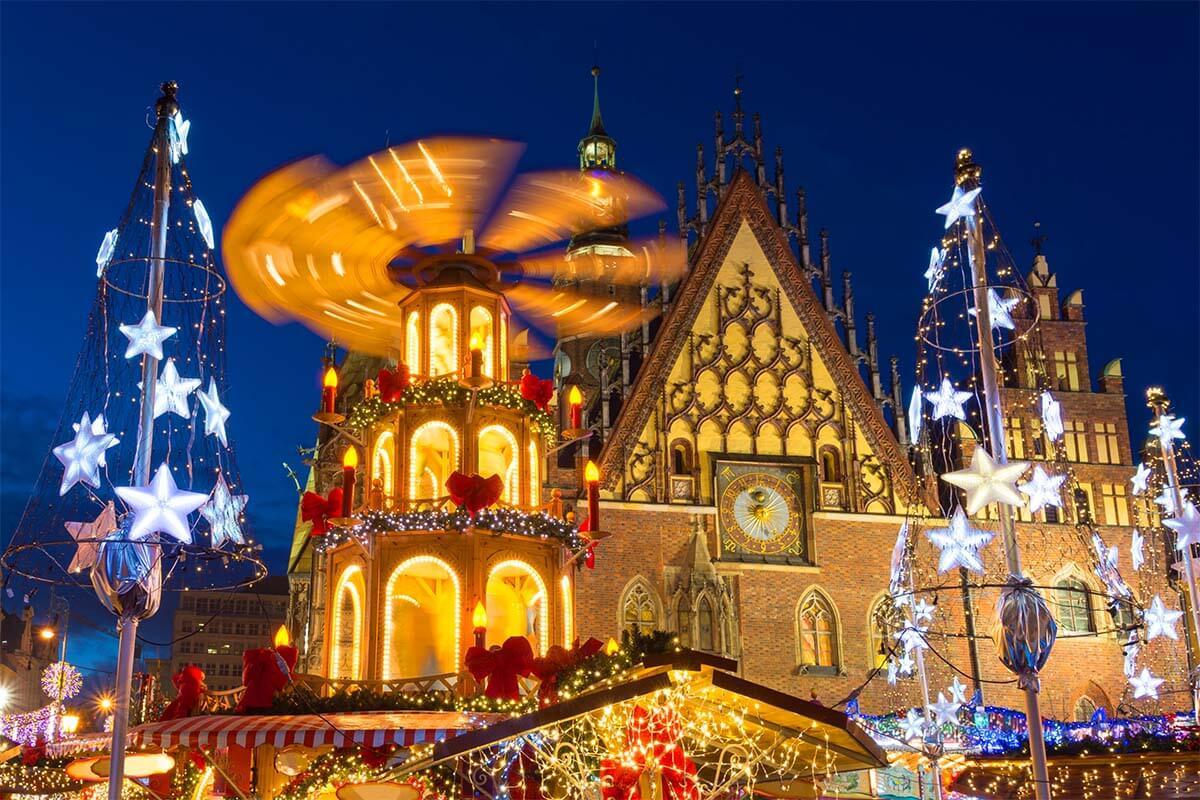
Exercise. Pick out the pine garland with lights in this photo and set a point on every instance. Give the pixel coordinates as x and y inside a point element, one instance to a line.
<point>448,392</point>
<point>45,777</point>
<point>497,520</point>
<point>339,766</point>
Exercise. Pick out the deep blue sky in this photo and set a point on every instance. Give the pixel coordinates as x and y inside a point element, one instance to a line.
<point>1083,115</point>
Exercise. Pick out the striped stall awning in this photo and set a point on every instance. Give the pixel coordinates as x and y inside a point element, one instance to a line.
<point>373,729</point>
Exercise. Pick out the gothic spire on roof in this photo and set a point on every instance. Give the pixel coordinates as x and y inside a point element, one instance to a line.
<point>597,150</point>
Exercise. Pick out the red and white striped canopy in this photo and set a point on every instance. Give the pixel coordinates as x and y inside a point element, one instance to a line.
<point>373,729</point>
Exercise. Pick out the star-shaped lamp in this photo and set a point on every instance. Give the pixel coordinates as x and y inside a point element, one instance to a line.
<point>892,672</point>
<point>223,512</point>
<point>915,410</point>
<point>958,691</point>
<point>948,401</point>
<point>912,726</point>
<point>87,536</point>
<point>945,711</point>
<point>985,481</point>
<point>1166,499</point>
<point>1145,685</point>
<point>1168,428</point>
<point>906,664</point>
<point>1052,417</point>
<point>959,543</point>
<point>161,507</point>
<point>923,610</point>
<point>1137,553</point>
<point>1043,489</point>
<point>171,392</point>
<point>1140,479</point>
<point>82,456</point>
<point>180,128</point>
<point>1160,620</point>
<point>108,246</point>
<point>215,414</point>
<point>147,337</point>
<point>962,204</point>
<point>933,275</point>
<point>1186,526</point>
<point>203,223</point>
<point>999,309</point>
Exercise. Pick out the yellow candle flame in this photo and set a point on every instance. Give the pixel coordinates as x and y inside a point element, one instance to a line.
<point>591,473</point>
<point>351,458</point>
<point>611,648</point>
<point>476,341</point>
<point>575,397</point>
<point>282,639</point>
<point>479,616</point>
<point>331,378</point>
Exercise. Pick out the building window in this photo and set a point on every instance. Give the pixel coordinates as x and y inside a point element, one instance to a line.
<point>1015,438</point>
<point>831,470</point>
<point>1084,504</point>
<point>1106,443</point>
<point>1084,709</point>
<point>483,339</point>
<point>443,340</point>
<point>1075,439</point>
<point>817,631</point>
<point>1074,607</point>
<point>517,605</point>
<point>683,621</point>
<point>681,458</point>
<point>1052,515</point>
<point>432,458</point>
<point>877,626</point>
<point>1066,371</point>
<point>1038,438</point>
<point>498,455</point>
<point>706,625</point>
<point>383,461</point>
<point>639,609</point>
<point>1116,506</point>
<point>1044,308</point>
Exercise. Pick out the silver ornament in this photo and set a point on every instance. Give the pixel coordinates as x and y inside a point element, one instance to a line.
<point>127,575</point>
<point>1024,631</point>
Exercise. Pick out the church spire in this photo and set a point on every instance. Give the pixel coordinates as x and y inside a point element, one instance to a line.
<point>597,150</point>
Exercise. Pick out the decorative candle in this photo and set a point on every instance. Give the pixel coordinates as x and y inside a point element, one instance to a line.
<point>591,474</point>
<point>479,620</point>
<point>575,404</point>
<point>282,639</point>
<point>349,465</point>
<point>476,356</point>
<point>329,393</point>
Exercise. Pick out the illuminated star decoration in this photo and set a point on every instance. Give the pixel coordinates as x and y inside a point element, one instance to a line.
<point>87,536</point>
<point>147,337</point>
<point>161,507</point>
<point>905,664</point>
<point>1052,417</point>
<point>223,512</point>
<point>180,128</point>
<point>1145,685</point>
<point>1168,428</point>
<point>203,222</point>
<point>1043,489</point>
<point>215,414</point>
<point>1136,552</point>
<point>891,672</point>
<point>986,481</point>
<point>1167,500</point>
<point>923,610</point>
<point>912,726</point>
<point>98,428</point>
<point>1160,620</point>
<point>962,204</point>
<point>1186,526</point>
<point>1140,479</point>
<point>959,543</point>
<point>999,310</point>
<point>958,691</point>
<point>1106,568</point>
<point>896,581</point>
<point>82,456</point>
<point>171,392</point>
<point>937,260</point>
<point>914,415</point>
<point>946,711</point>
<point>912,637</point>
<point>1131,653</point>
<point>104,255</point>
<point>948,401</point>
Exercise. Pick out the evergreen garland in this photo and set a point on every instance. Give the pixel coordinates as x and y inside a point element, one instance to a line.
<point>449,393</point>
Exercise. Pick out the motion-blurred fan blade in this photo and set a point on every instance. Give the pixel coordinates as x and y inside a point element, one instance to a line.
<point>526,347</point>
<point>547,207</point>
<point>566,312</point>
<point>651,261</point>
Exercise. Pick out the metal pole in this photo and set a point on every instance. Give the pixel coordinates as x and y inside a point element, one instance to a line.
<point>1157,400</point>
<point>127,627</point>
<point>968,177</point>
<point>934,766</point>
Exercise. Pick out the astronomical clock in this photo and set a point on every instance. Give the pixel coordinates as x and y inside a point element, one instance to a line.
<point>762,509</point>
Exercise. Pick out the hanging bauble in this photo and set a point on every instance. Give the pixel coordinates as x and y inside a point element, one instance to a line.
<point>61,681</point>
<point>1024,631</point>
<point>127,575</point>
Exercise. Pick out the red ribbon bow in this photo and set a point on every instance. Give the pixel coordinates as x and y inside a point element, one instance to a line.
<point>652,751</point>
<point>262,676</point>
<point>475,492</point>
<point>189,688</point>
<point>501,666</point>
<point>318,510</point>
<point>547,668</point>
<point>536,390</point>
<point>391,384</point>
<point>32,754</point>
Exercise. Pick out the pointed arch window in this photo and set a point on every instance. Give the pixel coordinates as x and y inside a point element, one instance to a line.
<point>498,455</point>
<point>443,340</point>
<point>816,625</point>
<point>639,608</point>
<point>707,637</point>
<point>1074,607</point>
<point>481,334</point>
<point>383,459</point>
<point>345,651</point>
<point>877,626</point>
<point>433,456</point>
<point>831,469</point>
<point>1084,709</point>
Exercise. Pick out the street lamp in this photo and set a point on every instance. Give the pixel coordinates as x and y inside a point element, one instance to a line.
<point>47,633</point>
<point>5,697</point>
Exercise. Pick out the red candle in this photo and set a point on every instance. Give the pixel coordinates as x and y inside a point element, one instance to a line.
<point>329,392</point>
<point>591,474</point>
<point>349,464</point>
<point>575,404</point>
<point>479,621</point>
<point>476,356</point>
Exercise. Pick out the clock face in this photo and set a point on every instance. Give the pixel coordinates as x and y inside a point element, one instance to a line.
<point>761,509</point>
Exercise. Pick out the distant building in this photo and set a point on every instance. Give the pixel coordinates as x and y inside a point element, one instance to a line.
<point>23,656</point>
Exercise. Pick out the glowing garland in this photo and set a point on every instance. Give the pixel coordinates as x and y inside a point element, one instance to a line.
<point>44,778</point>
<point>497,520</point>
<point>61,681</point>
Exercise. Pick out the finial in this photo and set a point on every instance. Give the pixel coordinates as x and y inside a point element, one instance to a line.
<point>167,105</point>
<point>1156,399</point>
<point>965,169</point>
<point>1038,238</point>
<point>597,126</point>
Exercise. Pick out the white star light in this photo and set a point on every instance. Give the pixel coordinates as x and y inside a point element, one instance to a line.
<point>171,392</point>
<point>948,401</point>
<point>1136,553</point>
<point>1043,489</point>
<point>1130,661</point>
<point>223,512</point>
<point>915,417</point>
<point>937,260</point>
<point>1186,526</point>
<point>946,711</point>
<point>161,507</point>
<point>961,205</point>
<point>985,481</point>
<point>1140,479</point>
<point>104,255</point>
<point>999,310</point>
<point>1145,685</point>
<point>892,673</point>
<point>959,544</point>
<point>87,536</point>
<point>905,664</point>
<point>912,637</point>
<point>180,128</point>
<point>1052,417</point>
<point>1160,620</point>
<point>1168,428</point>
<point>98,428</point>
<point>147,337</point>
<point>1167,500</point>
<point>923,611</point>
<point>215,414</point>
<point>912,726</point>
<point>897,573</point>
<point>203,222</point>
<point>958,691</point>
<point>82,456</point>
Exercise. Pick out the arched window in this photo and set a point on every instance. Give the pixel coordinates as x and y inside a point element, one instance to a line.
<point>412,342</point>
<point>517,605</point>
<point>433,457</point>
<point>816,626</point>
<point>1074,607</point>
<point>383,460</point>
<point>498,456</point>
<point>681,458</point>
<point>535,476</point>
<point>443,340</point>
<point>503,346</point>
<point>1085,707</point>
<point>345,651</point>
<point>683,621</point>
<point>481,333</point>
<point>831,465</point>
<point>639,608</point>
<point>877,626</point>
<point>422,619</point>
<point>707,637</point>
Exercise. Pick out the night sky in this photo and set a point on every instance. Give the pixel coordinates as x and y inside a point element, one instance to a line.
<point>1084,116</point>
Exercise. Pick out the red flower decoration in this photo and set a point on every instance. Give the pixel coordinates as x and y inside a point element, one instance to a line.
<point>536,390</point>
<point>653,751</point>
<point>547,668</point>
<point>318,510</point>
<point>189,688</point>
<point>475,492</point>
<point>501,666</point>
<point>263,675</point>
<point>391,384</point>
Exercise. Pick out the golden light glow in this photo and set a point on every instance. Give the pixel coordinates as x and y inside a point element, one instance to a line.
<point>46,633</point>
<point>349,588</point>
<point>443,339</point>
<point>535,476</point>
<point>433,456</point>
<point>350,459</point>
<point>381,462</point>
<point>479,616</point>
<point>69,723</point>
<point>482,335</point>
<point>105,703</point>
<point>575,397</point>
<point>81,769</point>
<point>568,612</point>
<point>498,455</point>
<point>476,341</point>
<point>331,378</point>
<point>412,342</point>
<point>507,606</point>
<point>611,647</point>
<point>282,638</point>
<point>591,473</point>
<point>138,765</point>
<point>392,594</point>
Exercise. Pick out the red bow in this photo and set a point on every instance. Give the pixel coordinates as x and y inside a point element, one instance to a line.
<point>547,668</point>
<point>474,491</point>
<point>392,384</point>
<point>189,687</point>
<point>536,390</point>
<point>502,666</point>
<point>589,557</point>
<point>32,754</point>
<point>318,510</point>
<point>652,745</point>
<point>263,677</point>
